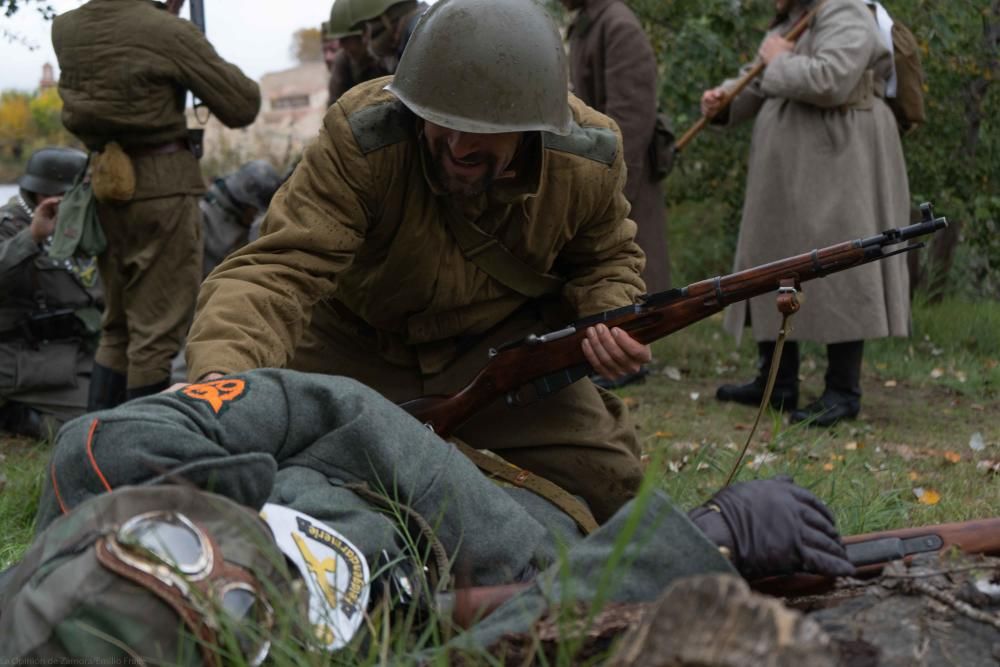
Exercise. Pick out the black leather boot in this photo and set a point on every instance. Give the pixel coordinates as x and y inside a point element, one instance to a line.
<point>20,419</point>
<point>107,388</point>
<point>785,395</point>
<point>841,398</point>
<point>147,390</point>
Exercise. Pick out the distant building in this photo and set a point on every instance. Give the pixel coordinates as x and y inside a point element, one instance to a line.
<point>48,79</point>
<point>292,108</point>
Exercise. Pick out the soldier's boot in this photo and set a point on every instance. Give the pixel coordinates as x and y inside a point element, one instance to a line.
<point>20,419</point>
<point>841,398</point>
<point>107,388</point>
<point>147,390</point>
<point>785,395</point>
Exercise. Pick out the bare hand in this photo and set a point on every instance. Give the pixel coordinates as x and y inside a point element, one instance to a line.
<point>613,353</point>
<point>773,47</point>
<point>711,101</point>
<point>43,222</point>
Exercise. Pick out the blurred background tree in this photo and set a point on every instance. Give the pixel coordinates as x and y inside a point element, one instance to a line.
<point>307,45</point>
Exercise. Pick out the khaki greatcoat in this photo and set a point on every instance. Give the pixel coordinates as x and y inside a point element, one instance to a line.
<point>357,273</point>
<point>613,69</point>
<point>826,165</point>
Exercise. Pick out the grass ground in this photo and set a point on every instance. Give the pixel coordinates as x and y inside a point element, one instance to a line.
<point>923,450</point>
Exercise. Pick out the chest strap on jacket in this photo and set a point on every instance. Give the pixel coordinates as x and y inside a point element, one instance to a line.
<point>499,469</point>
<point>486,252</point>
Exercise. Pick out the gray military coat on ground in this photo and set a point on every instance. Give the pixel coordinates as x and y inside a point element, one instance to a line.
<point>826,165</point>
<point>52,375</point>
<point>307,441</point>
<point>613,69</point>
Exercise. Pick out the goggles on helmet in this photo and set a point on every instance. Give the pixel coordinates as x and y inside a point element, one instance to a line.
<point>170,555</point>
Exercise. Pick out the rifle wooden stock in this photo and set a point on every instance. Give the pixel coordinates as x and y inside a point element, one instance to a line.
<point>971,537</point>
<point>751,74</point>
<point>468,605</point>
<point>555,360</point>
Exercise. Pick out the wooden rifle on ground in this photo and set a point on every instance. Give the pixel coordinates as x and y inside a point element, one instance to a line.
<point>869,553</point>
<point>555,360</point>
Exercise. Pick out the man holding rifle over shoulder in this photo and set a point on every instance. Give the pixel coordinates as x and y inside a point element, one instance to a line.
<point>825,164</point>
<point>126,67</point>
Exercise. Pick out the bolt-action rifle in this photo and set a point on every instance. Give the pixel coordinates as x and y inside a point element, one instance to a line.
<point>554,360</point>
<point>869,553</point>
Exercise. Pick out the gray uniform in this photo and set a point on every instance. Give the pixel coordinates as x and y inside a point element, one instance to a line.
<point>44,365</point>
<point>307,442</point>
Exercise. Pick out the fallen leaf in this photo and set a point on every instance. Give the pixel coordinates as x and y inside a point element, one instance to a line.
<point>672,373</point>
<point>741,427</point>
<point>890,383</point>
<point>914,475</point>
<point>936,373</point>
<point>694,395</point>
<point>991,363</point>
<point>989,467</point>
<point>701,467</point>
<point>976,442</point>
<point>952,457</point>
<point>927,496</point>
<point>960,376</point>
<point>630,402</point>
<point>762,459</point>
<point>644,460</point>
<point>977,407</point>
<point>828,467</point>
<point>664,434</point>
<point>851,446</point>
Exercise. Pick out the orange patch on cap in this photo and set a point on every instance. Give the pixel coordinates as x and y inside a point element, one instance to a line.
<point>216,393</point>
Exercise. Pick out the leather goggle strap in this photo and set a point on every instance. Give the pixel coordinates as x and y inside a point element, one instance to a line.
<point>171,595</point>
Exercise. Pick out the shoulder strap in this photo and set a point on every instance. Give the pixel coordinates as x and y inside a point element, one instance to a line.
<point>485,251</point>
<point>496,467</point>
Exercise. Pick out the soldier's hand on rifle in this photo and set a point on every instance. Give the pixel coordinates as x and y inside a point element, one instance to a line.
<point>43,221</point>
<point>614,354</point>
<point>711,101</point>
<point>772,527</point>
<point>773,47</point>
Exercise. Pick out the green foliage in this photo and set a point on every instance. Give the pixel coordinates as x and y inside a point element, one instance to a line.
<point>954,161</point>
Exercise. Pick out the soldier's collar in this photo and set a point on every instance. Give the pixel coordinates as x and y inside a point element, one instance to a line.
<point>526,166</point>
<point>24,205</point>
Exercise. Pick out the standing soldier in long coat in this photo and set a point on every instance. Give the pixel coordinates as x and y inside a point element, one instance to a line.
<point>49,310</point>
<point>126,68</point>
<point>613,69</point>
<point>364,266</point>
<point>825,164</point>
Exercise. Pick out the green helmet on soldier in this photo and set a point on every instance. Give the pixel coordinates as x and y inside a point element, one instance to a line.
<point>486,66</point>
<point>342,22</point>
<point>51,171</point>
<point>367,10</point>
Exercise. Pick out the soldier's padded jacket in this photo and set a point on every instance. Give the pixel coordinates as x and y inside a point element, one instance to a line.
<point>362,221</point>
<point>301,440</point>
<point>125,69</point>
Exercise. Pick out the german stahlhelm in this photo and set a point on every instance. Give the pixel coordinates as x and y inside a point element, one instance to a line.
<point>486,66</point>
<point>51,171</point>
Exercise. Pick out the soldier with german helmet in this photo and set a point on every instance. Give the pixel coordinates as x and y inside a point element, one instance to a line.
<point>49,309</point>
<point>365,267</point>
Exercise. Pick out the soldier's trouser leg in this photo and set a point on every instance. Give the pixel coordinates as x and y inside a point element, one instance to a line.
<point>156,245</point>
<point>581,437</point>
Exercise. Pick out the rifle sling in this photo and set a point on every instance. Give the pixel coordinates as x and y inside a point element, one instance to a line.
<point>485,251</point>
<point>499,469</point>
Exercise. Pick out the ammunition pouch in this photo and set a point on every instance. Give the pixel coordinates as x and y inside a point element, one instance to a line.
<point>112,175</point>
<point>47,325</point>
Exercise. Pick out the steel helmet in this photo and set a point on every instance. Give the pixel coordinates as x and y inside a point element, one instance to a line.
<point>341,23</point>
<point>366,10</point>
<point>486,66</point>
<point>253,184</point>
<point>51,171</point>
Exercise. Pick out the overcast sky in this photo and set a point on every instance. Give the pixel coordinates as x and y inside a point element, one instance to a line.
<point>254,34</point>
